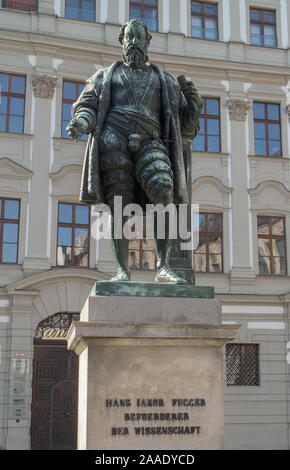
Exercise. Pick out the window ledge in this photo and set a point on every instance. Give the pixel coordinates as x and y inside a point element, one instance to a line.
<point>79,20</point>
<point>212,41</point>
<point>64,140</point>
<point>266,47</point>
<point>269,158</point>
<point>14,135</point>
<point>13,266</point>
<point>273,276</point>
<point>196,153</point>
<point>18,10</point>
<point>205,273</point>
<point>141,270</point>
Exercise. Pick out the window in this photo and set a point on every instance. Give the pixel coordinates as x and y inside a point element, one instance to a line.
<point>71,92</point>
<point>80,10</point>
<point>204,20</point>
<point>242,364</point>
<point>208,256</point>
<point>142,254</point>
<point>267,129</point>
<point>208,138</point>
<point>9,228</point>
<point>24,5</point>
<point>263,27</point>
<point>12,100</point>
<point>73,235</point>
<point>146,11</point>
<point>271,245</point>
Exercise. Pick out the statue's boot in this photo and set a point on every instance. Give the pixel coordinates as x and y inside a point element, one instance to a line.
<point>121,257</point>
<point>164,272</point>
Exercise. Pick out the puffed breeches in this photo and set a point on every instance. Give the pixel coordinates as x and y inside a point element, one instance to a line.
<point>121,168</point>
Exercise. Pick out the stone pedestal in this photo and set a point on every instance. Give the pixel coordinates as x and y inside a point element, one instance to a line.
<point>151,368</point>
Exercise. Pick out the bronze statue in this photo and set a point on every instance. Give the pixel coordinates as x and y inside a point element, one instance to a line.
<point>135,115</point>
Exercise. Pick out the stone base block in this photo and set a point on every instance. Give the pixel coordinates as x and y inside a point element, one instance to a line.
<point>150,386</point>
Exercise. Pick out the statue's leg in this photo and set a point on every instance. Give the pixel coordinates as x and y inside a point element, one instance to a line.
<point>120,251</point>
<point>117,174</point>
<point>154,173</point>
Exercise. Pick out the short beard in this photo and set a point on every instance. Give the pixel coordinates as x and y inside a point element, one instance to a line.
<point>135,59</point>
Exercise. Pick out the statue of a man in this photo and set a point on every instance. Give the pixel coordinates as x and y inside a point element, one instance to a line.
<point>135,115</point>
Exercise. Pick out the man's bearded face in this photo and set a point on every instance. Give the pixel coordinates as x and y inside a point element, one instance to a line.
<point>135,46</point>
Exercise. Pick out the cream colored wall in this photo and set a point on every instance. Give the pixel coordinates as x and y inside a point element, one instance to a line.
<point>256,417</point>
<point>41,168</point>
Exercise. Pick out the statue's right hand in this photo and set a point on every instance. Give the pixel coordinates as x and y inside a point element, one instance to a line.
<point>77,127</point>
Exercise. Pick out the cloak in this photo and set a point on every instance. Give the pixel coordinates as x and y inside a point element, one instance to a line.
<point>176,118</point>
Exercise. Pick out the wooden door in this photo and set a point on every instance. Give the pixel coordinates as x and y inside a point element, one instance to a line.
<point>54,397</point>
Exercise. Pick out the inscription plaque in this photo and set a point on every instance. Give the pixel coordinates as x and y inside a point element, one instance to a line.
<point>155,416</point>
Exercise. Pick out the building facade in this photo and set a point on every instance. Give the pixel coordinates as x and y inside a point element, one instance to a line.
<point>237,53</point>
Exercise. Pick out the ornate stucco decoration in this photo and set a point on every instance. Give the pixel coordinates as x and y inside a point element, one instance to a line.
<point>238,109</point>
<point>43,86</point>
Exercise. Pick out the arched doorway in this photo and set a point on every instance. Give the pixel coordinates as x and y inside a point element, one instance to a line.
<point>54,386</point>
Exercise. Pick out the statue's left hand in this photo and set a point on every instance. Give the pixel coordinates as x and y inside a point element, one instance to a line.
<point>190,92</point>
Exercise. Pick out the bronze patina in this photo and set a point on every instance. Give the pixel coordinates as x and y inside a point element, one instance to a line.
<point>136,116</point>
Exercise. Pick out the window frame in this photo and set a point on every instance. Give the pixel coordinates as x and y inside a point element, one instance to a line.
<point>70,101</point>
<point>143,4</point>
<point>204,15</point>
<point>207,253</point>
<point>263,23</point>
<point>205,117</point>
<point>9,221</point>
<point>72,225</point>
<point>9,95</point>
<point>79,9</point>
<point>267,121</point>
<point>270,237</point>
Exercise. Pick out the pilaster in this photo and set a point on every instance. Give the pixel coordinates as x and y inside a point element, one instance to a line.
<point>235,20</point>
<point>242,270</point>
<point>38,250</point>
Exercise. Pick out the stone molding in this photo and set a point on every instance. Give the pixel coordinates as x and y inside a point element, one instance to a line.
<point>217,183</point>
<point>17,170</point>
<point>238,109</point>
<point>59,174</point>
<point>269,184</point>
<point>43,86</point>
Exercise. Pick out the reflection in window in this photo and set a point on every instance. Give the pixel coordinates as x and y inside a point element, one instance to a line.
<point>71,92</point>
<point>141,253</point>
<point>263,27</point>
<point>271,245</point>
<point>73,235</point>
<point>146,11</point>
<point>208,256</point>
<point>204,20</point>
<point>12,100</point>
<point>267,129</point>
<point>9,228</point>
<point>80,10</point>
<point>208,138</point>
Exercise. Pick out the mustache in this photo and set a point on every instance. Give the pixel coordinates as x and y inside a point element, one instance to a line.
<point>133,48</point>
